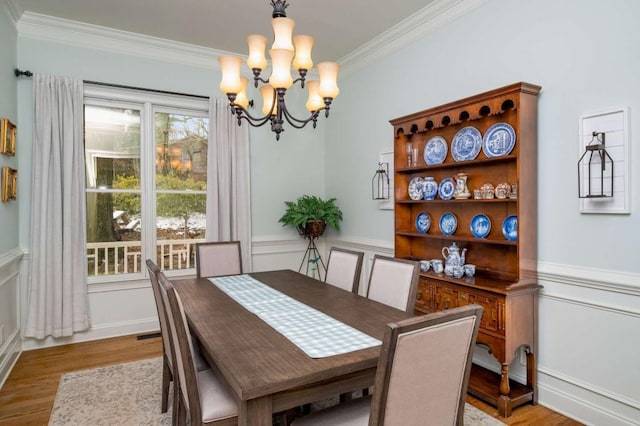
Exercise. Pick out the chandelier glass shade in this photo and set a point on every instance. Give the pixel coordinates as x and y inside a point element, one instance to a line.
<point>286,51</point>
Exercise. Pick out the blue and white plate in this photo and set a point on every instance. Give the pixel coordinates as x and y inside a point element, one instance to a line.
<point>510,228</point>
<point>466,144</point>
<point>446,189</point>
<point>499,140</point>
<point>435,151</point>
<point>423,222</point>
<point>448,223</point>
<point>415,188</point>
<point>480,225</point>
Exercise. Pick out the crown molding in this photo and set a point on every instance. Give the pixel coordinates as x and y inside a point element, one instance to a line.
<point>11,11</point>
<point>80,34</point>
<point>42,27</point>
<point>427,20</point>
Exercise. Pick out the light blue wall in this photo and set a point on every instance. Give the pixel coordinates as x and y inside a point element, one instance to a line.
<point>582,53</point>
<point>8,109</point>
<point>279,170</point>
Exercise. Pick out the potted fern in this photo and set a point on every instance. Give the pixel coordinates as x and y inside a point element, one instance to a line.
<point>310,215</point>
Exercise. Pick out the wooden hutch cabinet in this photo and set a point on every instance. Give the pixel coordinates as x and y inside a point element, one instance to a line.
<point>505,282</point>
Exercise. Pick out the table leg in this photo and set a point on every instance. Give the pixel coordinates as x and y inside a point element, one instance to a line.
<point>256,412</point>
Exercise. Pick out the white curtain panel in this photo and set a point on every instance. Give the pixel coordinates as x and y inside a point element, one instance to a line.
<point>228,180</point>
<point>58,300</point>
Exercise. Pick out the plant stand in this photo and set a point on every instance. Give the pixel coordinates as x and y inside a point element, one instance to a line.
<point>312,255</point>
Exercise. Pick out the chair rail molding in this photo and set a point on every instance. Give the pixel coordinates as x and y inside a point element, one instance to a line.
<point>593,278</point>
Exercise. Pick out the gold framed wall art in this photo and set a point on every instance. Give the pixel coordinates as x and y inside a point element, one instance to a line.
<point>9,184</point>
<point>7,137</point>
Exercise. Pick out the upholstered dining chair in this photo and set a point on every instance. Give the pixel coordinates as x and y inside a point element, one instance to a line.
<point>214,259</point>
<point>343,269</point>
<point>168,372</point>
<point>422,376</point>
<point>200,396</point>
<point>394,282</point>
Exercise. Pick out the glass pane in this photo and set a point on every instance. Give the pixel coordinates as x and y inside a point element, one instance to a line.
<point>181,224</point>
<point>181,151</point>
<point>113,233</point>
<point>112,147</point>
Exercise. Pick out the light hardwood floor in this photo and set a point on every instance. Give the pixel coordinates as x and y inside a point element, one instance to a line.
<point>27,396</point>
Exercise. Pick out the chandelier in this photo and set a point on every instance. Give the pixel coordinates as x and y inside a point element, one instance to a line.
<point>282,53</point>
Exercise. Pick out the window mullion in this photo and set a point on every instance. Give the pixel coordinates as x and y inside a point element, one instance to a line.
<point>148,184</point>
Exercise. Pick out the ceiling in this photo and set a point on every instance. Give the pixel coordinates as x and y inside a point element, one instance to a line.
<point>339,26</point>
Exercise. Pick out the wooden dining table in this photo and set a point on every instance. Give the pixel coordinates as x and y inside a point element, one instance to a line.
<point>267,372</point>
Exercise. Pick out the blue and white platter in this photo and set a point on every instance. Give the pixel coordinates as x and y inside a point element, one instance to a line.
<point>446,189</point>
<point>448,223</point>
<point>415,188</point>
<point>423,222</point>
<point>510,228</point>
<point>466,144</point>
<point>499,140</point>
<point>435,151</point>
<point>480,226</point>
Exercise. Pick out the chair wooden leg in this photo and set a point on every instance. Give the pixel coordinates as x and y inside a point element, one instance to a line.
<point>176,403</point>
<point>166,380</point>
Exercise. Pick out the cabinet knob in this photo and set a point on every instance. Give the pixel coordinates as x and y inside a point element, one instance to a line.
<point>463,297</point>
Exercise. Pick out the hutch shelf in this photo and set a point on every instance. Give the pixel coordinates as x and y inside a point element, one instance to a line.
<point>505,282</point>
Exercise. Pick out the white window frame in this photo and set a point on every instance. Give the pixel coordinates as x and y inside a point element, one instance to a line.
<point>148,103</point>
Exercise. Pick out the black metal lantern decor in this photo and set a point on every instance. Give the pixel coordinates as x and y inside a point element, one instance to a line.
<point>380,182</point>
<point>594,162</point>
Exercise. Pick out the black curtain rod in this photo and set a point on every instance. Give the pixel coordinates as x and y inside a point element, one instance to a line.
<point>26,73</point>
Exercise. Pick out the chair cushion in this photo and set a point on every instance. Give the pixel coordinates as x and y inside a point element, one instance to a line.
<point>216,400</point>
<point>352,413</point>
<point>390,283</point>
<point>342,270</point>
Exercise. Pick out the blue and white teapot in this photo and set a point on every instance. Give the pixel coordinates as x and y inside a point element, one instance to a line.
<point>453,257</point>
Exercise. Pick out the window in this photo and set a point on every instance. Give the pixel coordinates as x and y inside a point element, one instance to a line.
<point>146,175</point>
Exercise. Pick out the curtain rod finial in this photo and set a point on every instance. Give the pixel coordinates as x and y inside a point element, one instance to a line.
<point>19,73</point>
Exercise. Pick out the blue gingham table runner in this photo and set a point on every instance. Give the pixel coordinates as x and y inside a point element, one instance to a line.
<point>315,333</point>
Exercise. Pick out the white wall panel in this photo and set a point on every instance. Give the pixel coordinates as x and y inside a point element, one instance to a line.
<point>10,336</point>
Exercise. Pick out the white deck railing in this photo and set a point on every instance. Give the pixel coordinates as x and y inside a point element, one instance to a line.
<point>125,257</point>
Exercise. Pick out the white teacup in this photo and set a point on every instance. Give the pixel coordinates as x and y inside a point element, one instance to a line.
<point>424,265</point>
<point>458,271</point>
<point>437,265</point>
<point>469,269</point>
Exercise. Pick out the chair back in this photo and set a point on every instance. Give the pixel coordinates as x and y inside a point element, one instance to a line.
<point>162,313</point>
<point>424,368</point>
<point>182,347</point>
<point>343,269</point>
<point>394,282</point>
<point>214,259</point>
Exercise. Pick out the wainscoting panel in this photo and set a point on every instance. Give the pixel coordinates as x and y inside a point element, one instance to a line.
<point>10,336</point>
<point>589,319</point>
<point>589,346</point>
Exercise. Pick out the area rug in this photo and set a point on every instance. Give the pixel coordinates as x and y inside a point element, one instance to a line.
<point>129,394</point>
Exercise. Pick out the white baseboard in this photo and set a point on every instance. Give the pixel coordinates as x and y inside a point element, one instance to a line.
<point>102,331</point>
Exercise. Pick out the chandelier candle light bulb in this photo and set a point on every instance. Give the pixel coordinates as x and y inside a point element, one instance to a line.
<point>230,82</point>
<point>282,32</point>
<point>281,68</point>
<point>268,101</point>
<point>241,98</point>
<point>257,45</point>
<point>285,52</point>
<point>315,101</point>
